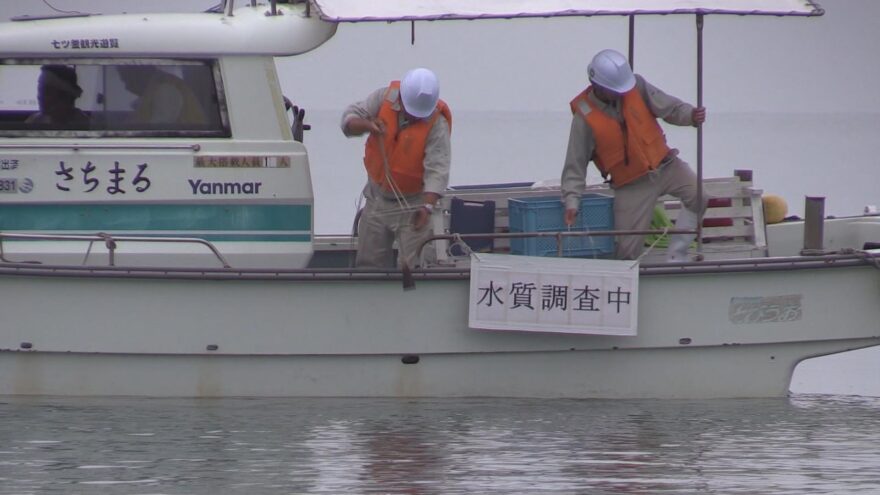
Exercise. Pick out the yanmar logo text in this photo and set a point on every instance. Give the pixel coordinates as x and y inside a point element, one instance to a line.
<point>208,188</point>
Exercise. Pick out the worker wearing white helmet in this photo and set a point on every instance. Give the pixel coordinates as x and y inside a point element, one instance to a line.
<point>407,157</point>
<point>614,124</point>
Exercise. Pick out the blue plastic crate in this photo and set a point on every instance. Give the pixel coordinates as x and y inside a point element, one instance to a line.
<point>545,214</point>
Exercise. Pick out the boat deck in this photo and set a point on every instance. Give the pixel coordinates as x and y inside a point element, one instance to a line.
<point>733,226</point>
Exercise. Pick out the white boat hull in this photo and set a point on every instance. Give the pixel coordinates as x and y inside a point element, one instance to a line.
<point>714,372</point>
<point>204,337</point>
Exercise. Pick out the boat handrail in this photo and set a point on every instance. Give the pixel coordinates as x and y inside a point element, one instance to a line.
<point>90,146</point>
<point>110,242</point>
<point>435,273</point>
<point>558,235</point>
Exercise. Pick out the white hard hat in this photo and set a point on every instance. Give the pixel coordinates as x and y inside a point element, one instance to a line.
<point>610,70</point>
<point>419,91</point>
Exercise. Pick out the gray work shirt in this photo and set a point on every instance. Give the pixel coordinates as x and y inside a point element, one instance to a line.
<point>438,148</point>
<point>582,144</point>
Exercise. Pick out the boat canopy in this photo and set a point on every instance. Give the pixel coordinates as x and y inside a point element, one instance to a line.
<point>247,31</point>
<point>409,10</point>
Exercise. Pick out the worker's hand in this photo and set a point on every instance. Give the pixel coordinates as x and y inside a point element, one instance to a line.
<point>699,115</point>
<point>570,216</point>
<point>420,219</point>
<point>360,125</point>
<point>376,126</point>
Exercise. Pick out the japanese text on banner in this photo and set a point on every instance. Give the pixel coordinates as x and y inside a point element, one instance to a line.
<point>564,295</point>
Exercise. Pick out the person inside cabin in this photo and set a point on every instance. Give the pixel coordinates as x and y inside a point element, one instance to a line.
<point>407,157</point>
<point>162,98</point>
<point>57,92</point>
<point>614,124</point>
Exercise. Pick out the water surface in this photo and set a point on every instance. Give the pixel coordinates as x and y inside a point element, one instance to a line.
<point>804,444</point>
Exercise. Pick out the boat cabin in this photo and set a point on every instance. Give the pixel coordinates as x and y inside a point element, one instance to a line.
<point>167,133</point>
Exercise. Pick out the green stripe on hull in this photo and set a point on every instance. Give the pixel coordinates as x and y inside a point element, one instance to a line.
<point>188,217</point>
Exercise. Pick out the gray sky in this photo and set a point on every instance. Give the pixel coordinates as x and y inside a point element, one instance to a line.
<point>751,64</point>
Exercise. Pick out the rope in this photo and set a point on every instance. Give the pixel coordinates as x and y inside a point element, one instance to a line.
<point>458,241</point>
<point>404,206</point>
<point>396,210</point>
<point>88,252</point>
<point>355,229</point>
<point>865,256</point>
<point>868,258</point>
<point>398,195</point>
<point>650,248</point>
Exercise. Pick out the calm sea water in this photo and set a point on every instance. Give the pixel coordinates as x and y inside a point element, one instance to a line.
<point>799,445</point>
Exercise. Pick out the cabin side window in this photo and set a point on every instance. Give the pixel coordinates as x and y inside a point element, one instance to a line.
<point>132,98</point>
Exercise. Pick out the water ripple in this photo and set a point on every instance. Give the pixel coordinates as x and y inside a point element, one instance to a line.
<point>805,444</point>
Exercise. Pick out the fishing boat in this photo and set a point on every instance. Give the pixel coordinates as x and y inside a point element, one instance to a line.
<point>177,257</point>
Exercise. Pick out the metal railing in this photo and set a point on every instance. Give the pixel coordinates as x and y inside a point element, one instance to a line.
<point>96,146</point>
<point>556,235</point>
<point>109,242</point>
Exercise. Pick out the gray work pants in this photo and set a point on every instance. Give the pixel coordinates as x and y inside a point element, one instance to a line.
<point>381,222</point>
<point>634,202</point>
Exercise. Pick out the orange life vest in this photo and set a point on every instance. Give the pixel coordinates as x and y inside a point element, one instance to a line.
<point>404,148</point>
<point>623,153</point>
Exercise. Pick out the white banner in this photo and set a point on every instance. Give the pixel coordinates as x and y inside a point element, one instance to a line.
<point>563,295</point>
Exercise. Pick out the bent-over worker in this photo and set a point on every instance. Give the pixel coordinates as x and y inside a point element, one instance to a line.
<point>407,157</point>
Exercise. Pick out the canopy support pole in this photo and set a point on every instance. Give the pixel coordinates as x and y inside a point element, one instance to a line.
<point>632,44</point>
<point>699,135</point>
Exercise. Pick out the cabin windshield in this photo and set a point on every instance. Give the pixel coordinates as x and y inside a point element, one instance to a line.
<point>99,98</point>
